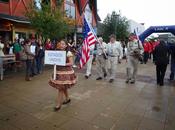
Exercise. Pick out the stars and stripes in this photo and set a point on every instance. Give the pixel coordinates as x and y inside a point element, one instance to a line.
<point>89,40</point>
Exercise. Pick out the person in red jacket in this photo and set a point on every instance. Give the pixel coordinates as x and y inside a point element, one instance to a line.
<point>147,49</point>
<point>151,49</point>
<point>48,45</point>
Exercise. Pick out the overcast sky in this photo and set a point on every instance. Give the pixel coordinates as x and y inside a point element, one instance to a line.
<point>150,12</point>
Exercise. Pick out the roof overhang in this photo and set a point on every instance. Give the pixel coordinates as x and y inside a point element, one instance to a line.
<point>14,18</point>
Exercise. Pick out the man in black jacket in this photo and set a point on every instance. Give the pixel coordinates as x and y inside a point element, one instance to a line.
<point>161,61</point>
<point>172,54</point>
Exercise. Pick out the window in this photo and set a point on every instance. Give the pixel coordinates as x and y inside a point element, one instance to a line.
<point>38,4</point>
<point>70,11</point>
<point>4,0</point>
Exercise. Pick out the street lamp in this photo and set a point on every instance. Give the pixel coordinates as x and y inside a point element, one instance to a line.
<point>116,20</point>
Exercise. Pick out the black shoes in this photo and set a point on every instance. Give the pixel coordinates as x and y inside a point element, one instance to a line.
<point>111,80</point>
<point>66,101</point>
<point>86,76</point>
<point>105,74</point>
<point>99,78</point>
<point>57,108</point>
<point>132,82</point>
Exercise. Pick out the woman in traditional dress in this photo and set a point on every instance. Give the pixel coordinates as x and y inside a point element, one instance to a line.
<point>65,78</point>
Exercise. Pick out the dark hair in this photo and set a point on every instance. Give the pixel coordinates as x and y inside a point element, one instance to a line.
<point>26,41</point>
<point>162,42</point>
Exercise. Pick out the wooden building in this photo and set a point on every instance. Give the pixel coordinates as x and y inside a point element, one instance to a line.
<point>13,22</point>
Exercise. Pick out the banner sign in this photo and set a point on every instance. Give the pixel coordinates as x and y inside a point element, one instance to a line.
<point>55,58</point>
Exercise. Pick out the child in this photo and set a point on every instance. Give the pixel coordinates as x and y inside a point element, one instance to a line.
<point>65,78</point>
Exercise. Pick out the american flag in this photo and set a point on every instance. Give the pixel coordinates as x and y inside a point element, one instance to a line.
<point>89,40</point>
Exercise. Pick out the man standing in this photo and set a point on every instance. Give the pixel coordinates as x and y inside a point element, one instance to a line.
<point>172,54</point>
<point>89,63</point>
<point>161,61</point>
<point>101,59</point>
<point>134,51</point>
<point>114,51</point>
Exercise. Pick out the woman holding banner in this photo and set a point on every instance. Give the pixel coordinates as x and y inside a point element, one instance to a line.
<point>65,78</point>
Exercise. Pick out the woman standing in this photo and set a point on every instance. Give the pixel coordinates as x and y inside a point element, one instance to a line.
<point>30,57</point>
<point>65,78</point>
<point>39,57</point>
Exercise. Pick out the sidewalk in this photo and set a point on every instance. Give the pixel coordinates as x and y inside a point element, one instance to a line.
<point>96,105</point>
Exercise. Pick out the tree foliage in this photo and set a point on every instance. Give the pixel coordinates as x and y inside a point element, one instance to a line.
<point>114,24</point>
<point>48,22</point>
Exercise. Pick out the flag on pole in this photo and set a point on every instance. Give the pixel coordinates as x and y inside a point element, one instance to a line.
<point>89,40</point>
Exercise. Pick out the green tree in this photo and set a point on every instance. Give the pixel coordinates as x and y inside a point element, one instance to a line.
<point>48,22</point>
<point>114,24</point>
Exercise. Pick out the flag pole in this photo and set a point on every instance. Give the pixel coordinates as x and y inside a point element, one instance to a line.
<point>96,37</point>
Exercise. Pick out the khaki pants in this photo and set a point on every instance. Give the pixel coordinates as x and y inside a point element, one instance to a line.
<point>132,68</point>
<point>112,66</point>
<point>89,65</point>
<point>101,66</point>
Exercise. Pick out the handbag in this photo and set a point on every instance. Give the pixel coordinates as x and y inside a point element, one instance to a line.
<point>23,55</point>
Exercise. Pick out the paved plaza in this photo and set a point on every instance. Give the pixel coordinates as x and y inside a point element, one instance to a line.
<point>96,105</point>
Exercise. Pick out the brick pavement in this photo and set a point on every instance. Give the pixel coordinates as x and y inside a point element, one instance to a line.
<point>96,105</point>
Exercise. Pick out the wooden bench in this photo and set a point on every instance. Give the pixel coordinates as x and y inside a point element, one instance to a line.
<point>5,60</point>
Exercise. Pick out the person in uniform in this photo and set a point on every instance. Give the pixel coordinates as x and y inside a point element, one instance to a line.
<point>101,59</point>
<point>134,53</point>
<point>89,63</point>
<point>114,51</point>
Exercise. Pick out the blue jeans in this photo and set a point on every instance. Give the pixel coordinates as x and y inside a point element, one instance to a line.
<point>39,64</point>
<point>172,69</point>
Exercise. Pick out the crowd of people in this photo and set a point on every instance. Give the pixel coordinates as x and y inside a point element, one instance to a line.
<point>31,51</point>
<point>106,55</point>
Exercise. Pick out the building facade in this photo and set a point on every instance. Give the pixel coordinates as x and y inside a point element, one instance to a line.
<point>14,24</point>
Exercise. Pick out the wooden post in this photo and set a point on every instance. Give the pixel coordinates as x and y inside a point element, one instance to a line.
<point>54,72</point>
